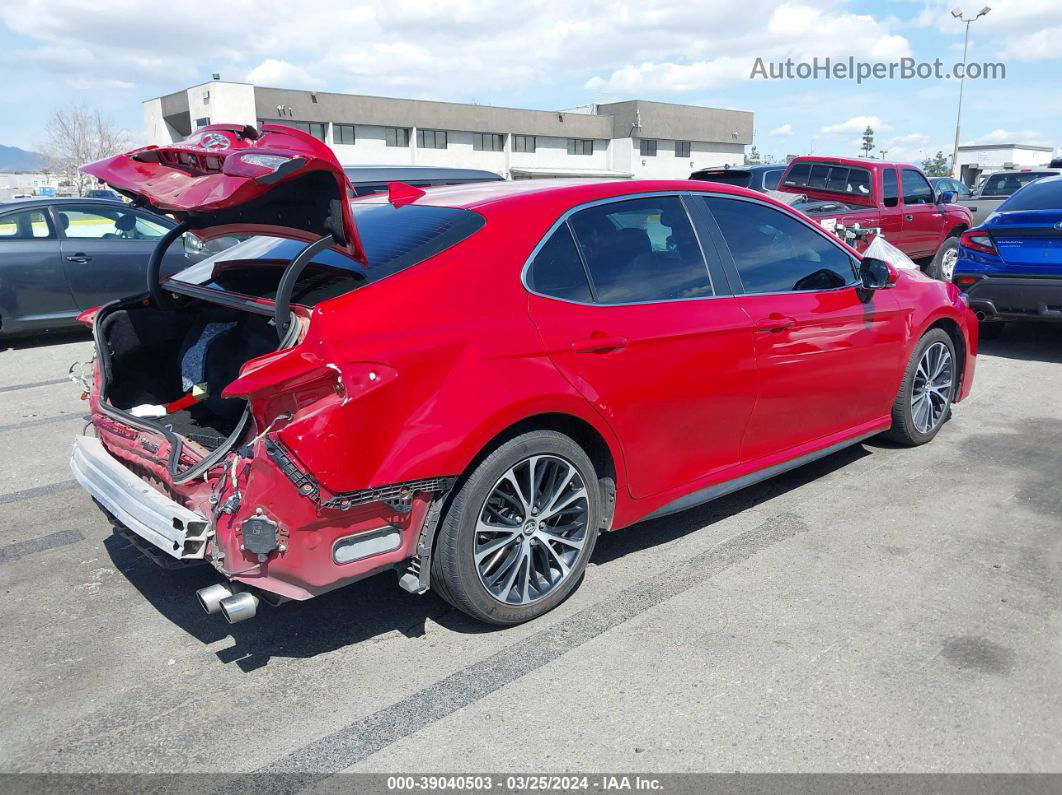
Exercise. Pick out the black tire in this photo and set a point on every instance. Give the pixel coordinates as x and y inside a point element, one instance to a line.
<point>904,429</point>
<point>454,575</point>
<point>936,266</point>
<point>992,330</point>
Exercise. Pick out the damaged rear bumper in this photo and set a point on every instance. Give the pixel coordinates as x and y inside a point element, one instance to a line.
<point>163,523</point>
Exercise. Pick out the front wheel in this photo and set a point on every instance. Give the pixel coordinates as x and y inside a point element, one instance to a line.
<point>942,267</point>
<point>924,401</point>
<point>517,536</point>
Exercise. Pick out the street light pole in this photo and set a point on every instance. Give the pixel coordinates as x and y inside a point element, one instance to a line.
<point>957,13</point>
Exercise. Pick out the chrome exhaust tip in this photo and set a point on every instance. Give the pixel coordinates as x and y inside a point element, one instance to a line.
<point>210,597</point>
<point>239,607</point>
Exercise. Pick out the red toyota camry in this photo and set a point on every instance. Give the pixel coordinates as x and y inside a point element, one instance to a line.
<point>466,385</point>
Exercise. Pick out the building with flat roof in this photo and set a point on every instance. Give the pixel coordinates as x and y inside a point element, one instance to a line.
<point>635,138</point>
<point>976,159</point>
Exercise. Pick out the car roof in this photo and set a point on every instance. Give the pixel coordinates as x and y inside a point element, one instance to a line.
<point>864,162</point>
<point>574,191</point>
<point>371,173</point>
<point>35,200</point>
<point>740,169</point>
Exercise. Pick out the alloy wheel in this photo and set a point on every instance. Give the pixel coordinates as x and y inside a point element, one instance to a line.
<point>931,393</point>
<point>947,263</point>
<point>531,529</point>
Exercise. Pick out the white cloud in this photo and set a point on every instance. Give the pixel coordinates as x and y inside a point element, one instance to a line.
<point>98,84</point>
<point>281,74</point>
<point>1002,136</point>
<point>781,131</point>
<point>1037,46</point>
<point>671,77</point>
<point>856,124</point>
<point>910,138</point>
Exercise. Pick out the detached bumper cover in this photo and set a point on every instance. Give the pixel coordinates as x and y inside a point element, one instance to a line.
<point>153,516</point>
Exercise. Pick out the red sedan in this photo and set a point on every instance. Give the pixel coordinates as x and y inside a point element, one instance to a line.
<point>468,384</point>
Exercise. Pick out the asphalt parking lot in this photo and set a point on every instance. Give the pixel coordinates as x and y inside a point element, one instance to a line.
<point>883,609</point>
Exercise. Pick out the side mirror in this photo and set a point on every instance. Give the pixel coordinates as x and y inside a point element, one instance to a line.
<point>947,197</point>
<point>876,274</point>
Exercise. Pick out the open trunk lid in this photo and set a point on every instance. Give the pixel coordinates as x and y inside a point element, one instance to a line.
<point>226,180</point>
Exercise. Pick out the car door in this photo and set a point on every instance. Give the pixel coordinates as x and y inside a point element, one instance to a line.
<point>636,322</point>
<point>922,224</point>
<point>33,288</point>
<point>105,250</point>
<point>828,353</point>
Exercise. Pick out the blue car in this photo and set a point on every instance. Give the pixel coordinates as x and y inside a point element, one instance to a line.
<point>1011,265</point>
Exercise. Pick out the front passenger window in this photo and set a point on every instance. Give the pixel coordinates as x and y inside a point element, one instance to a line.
<point>776,253</point>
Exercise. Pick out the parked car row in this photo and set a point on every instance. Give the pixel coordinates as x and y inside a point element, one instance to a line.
<point>518,366</point>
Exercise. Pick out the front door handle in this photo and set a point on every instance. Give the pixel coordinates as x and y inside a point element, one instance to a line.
<point>599,344</point>
<point>775,323</point>
<point>79,258</point>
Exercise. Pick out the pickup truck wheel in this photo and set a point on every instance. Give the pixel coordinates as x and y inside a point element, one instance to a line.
<point>943,265</point>
<point>924,400</point>
<point>516,539</point>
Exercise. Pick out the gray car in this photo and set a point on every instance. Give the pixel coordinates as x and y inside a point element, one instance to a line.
<point>59,257</point>
<point>997,188</point>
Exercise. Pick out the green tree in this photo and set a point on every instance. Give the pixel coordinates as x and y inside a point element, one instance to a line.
<point>753,158</point>
<point>868,141</point>
<point>936,166</point>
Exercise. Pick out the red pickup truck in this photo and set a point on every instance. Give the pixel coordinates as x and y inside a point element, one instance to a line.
<point>894,200</point>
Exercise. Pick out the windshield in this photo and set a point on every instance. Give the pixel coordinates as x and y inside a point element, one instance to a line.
<point>1006,184</point>
<point>395,238</point>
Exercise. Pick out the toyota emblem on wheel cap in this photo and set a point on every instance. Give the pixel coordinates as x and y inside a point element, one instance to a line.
<point>214,140</point>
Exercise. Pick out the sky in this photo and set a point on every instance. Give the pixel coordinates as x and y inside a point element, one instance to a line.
<point>551,54</point>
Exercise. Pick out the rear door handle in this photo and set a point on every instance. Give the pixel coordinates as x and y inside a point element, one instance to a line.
<point>599,344</point>
<point>79,258</point>
<point>775,323</point>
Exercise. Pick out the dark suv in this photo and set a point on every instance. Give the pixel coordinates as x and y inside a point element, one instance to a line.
<point>758,178</point>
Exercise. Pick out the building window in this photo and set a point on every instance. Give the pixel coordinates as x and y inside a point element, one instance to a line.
<point>396,136</point>
<point>343,133</point>
<point>580,146</point>
<point>488,142</point>
<point>203,122</point>
<point>648,147</point>
<point>314,128</point>
<point>431,139</point>
<point>682,148</point>
<point>523,143</point>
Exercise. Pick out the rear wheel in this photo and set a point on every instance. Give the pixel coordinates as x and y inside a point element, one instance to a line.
<point>924,401</point>
<point>516,538</point>
<point>943,265</point>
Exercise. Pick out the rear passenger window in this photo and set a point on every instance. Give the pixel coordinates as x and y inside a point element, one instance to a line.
<point>641,250</point>
<point>557,271</point>
<point>890,193</point>
<point>775,253</point>
<point>24,226</point>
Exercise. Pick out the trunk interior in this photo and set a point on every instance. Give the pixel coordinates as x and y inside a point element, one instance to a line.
<point>156,357</point>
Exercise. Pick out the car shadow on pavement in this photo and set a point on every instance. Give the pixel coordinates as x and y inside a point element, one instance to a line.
<point>376,608</point>
<point>23,342</point>
<point>1034,342</point>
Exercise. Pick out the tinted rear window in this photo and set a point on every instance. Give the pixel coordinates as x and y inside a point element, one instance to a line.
<point>829,178</point>
<point>1006,184</point>
<point>1044,195</point>
<point>395,238</point>
<point>725,176</point>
